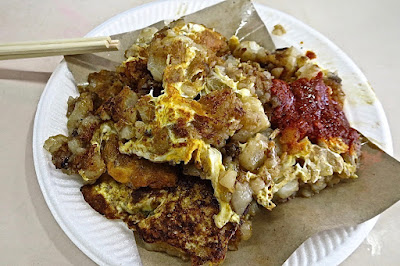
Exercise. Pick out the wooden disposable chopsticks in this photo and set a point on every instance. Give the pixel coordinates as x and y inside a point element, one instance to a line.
<point>57,47</point>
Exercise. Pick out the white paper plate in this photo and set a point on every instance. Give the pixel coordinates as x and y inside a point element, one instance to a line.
<point>111,243</point>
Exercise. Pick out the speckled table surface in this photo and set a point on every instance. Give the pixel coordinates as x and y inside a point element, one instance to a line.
<point>366,30</point>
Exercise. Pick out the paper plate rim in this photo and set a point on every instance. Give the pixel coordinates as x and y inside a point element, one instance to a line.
<point>37,147</point>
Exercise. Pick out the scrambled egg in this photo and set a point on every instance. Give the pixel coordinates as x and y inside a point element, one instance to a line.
<point>317,163</point>
<point>176,105</point>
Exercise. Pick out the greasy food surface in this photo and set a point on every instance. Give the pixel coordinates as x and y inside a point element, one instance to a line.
<point>177,220</point>
<point>188,108</point>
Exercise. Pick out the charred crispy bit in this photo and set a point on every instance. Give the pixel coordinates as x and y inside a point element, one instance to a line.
<point>89,165</point>
<point>176,220</point>
<point>213,40</point>
<point>68,155</point>
<point>78,109</point>
<point>58,146</point>
<point>136,171</point>
<point>224,111</point>
<point>105,84</point>
<point>221,103</point>
<point>86,128</point>
<point>146,108</point>
<point>185,223</point>
<point>135,74</point>
<point>107,202</point>
<point>120,107</point>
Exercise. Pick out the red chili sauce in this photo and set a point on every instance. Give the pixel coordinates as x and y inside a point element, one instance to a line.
<point>311,55</point>
<point>306,108</point>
